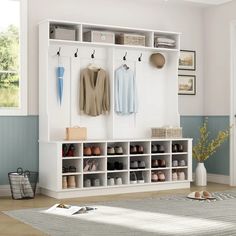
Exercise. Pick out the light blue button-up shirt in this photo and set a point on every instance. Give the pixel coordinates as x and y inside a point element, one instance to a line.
<point>125,91</point>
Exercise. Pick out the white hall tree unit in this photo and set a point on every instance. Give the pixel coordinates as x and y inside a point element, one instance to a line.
<point>157,91</point>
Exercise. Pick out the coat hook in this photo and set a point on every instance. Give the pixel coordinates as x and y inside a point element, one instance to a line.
<point>140,57</point>
<point>124,57</point>
<point>92,56</point>
<point>76,53</point>
<point>59,52</point>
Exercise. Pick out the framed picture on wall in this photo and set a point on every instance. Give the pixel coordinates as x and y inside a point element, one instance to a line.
<point>187,60</point>
<point>187,84</point>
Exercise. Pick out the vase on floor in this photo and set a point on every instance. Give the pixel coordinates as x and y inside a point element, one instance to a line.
<point>201,175</point>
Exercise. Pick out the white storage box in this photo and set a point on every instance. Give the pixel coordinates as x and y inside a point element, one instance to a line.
<point>62,32</point>
<point>99,36</point>
<point>130,39</point>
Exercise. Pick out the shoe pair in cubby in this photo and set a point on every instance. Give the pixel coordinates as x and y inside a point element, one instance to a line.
<point>117,150</point>
<point>136,149</point>
<point>117,165</point>
<point>69,181</point>
<point>92,182</point>
<point>158,163</point>
<point>69,150</point>
<point>91,165</point>
<point>179,163</point>
<point>69,169</point>
<point>114,181</point>
<point>158,148</point>
<point>158,176</point>
<point>177,147</point>
<point>137,164</point>
<point>137,177</point>
<point>92,151</point>
<point>178,175</point>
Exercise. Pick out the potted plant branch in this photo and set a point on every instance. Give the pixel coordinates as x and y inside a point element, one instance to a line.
<point>205,148</point>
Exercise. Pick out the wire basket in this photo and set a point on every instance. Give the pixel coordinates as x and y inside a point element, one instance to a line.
<point>23,184</point>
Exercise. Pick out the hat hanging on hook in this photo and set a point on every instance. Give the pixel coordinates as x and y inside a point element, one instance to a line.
<point>157,60</point>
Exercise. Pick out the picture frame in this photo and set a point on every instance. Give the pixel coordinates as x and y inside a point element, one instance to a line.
<point>187,60</point>
<point>187,85</point>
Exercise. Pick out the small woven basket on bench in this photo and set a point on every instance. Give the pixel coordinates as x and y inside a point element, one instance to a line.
<point>167,132</point>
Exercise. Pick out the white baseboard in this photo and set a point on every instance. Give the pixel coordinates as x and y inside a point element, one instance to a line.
<point>219,179</point>
<point>5,190</point>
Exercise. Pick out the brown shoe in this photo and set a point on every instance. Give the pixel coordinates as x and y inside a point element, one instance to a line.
<point>140,149</point>
<point>133,149</point>
<point>87,151</point>
<point>96,151</point>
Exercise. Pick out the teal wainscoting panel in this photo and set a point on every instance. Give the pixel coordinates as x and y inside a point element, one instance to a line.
<point>18,144</point>
<point>190,126</point>
<point>219,162</point>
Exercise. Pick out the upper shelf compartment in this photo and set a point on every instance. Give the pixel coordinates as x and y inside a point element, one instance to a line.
<point>65,31</point>
<point>112,36</point>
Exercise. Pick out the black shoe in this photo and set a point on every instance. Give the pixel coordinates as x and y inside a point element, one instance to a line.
<point>110,166</point>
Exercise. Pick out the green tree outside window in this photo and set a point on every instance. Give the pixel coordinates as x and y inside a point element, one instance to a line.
<point>9,67</point>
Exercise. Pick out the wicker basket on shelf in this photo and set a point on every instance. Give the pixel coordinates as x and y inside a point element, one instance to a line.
<point>167,132</point>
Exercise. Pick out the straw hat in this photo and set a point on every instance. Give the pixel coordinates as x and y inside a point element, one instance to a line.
<point>157,60</point>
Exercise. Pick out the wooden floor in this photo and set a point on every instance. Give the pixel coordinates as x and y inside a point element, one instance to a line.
<point>9,226</point>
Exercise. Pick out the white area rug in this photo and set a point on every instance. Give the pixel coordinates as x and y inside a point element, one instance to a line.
<point>173,215</point>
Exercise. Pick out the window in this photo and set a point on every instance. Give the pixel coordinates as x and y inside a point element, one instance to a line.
<point>13,57</point>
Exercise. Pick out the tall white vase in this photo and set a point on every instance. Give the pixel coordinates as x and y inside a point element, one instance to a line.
<point>201,175</point>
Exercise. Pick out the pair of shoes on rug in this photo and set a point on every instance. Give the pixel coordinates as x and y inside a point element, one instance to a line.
<point>201,195</point>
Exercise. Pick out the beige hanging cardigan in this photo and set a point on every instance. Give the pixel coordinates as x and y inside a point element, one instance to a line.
<point>94,92</point>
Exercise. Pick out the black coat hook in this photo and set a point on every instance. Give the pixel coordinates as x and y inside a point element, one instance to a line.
<point>140,57</point>
<point>124,57</point>
<point>59,52</point>
<point>76,53</point>
<point>92,56</point>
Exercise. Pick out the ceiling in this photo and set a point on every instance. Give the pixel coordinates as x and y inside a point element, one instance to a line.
<point>209,2</point>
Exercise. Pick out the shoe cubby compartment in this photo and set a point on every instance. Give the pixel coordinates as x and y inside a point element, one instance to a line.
<point>160,147</point>
<point>160,162</point>
<point>71,150</point>
<point>139,162</point>
<point>179,146</point>
<point>94,149</point>
<point>118,178</point>
<point>71,166</point>
<point>117,163</point>
<point>95,164</point>
<point>117,148</point>
<point>71,181</point>
<point>139,176</point>
<point>139,148</point>
<point>160,176</point>
<point>179,174</point>
<point>94,180</point>
<point>179,160</point>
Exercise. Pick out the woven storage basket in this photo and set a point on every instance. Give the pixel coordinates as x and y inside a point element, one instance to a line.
<point>167,132</point>
<point>130,39</point>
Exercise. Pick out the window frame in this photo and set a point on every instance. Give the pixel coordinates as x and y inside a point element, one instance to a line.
<point>22,110</point>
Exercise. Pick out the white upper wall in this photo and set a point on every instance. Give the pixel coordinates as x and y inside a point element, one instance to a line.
<point>132,13</point>
<point>217,58</point>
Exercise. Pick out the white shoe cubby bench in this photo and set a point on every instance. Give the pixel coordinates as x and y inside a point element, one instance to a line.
<point>52,165</point>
